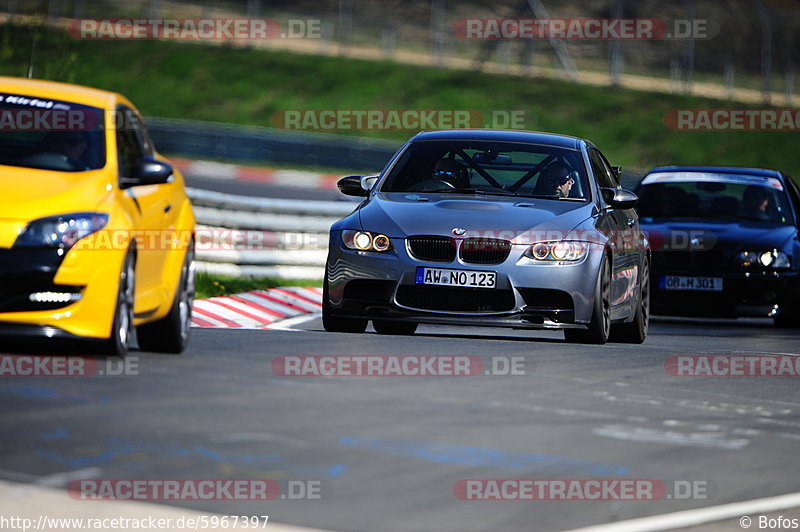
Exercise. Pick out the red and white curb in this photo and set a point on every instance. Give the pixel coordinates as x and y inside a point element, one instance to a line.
<point>233,172</point>
<point>259,309</point>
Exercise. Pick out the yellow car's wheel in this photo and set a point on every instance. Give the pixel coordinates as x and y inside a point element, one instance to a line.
<point>171,333</point>
<point>122,328</point>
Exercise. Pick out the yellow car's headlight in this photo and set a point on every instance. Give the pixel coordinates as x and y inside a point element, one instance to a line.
<point>61,232</point>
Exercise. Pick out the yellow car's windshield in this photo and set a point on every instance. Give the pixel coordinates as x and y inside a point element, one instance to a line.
<point>50,134</point>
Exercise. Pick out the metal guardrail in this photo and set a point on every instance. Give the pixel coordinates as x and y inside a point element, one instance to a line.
<point>198,139</point>
<point>241,236</point>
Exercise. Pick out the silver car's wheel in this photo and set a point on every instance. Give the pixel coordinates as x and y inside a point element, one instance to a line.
<point>635,332</point>
<point>333,323</point>
<point>394,327</point>
<point>600,326</point>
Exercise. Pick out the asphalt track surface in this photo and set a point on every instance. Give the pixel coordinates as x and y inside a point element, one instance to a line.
<point>388,450</point>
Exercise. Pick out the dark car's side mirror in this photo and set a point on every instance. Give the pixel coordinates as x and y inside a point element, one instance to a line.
<point>619,198</point>
<point>148,171</point>
<point>354,185</point>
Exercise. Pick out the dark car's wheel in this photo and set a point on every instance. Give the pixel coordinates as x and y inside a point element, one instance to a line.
<point>170,334</point>
<point>635,332</point>
<point>122,328</point>
<point>600,325</point>
<point>333,323</point>
<point>394,327</point>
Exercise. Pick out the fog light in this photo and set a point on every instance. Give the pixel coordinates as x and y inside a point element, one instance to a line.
<point>54,297</point>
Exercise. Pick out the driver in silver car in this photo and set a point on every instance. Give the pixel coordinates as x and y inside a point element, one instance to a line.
<point>556,180</point>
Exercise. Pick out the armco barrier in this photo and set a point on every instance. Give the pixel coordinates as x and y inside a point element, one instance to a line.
<point>297,232</point>
<point>214,140</point>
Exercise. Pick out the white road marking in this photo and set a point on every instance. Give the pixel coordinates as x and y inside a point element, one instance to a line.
<point>715,440</point>
<point>54,480</point>
<point>286,325</point>
<point>699,516</point>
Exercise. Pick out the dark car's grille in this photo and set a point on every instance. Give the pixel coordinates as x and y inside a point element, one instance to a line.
<point>484,250</point>
<point>448,299</point>
<point>433,248</point>
<point>710,259</point>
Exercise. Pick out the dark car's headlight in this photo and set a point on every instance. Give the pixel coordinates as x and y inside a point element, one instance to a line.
<point>767,259</point>
<point>365,241</point>
<point>61,232</point>
<point>557,251</point>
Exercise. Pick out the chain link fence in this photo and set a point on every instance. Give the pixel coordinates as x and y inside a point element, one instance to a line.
<point>742,49</point>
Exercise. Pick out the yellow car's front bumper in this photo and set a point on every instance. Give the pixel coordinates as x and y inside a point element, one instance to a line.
<point>91,273</point>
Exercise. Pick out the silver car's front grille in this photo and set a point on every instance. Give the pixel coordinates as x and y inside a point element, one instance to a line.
<point>432,248</point>
<point>484,250</point>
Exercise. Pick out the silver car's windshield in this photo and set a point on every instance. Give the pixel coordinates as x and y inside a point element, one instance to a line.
<point>489,168</point>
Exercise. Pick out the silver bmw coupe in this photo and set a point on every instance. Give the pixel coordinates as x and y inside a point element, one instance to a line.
<point>491,228</point>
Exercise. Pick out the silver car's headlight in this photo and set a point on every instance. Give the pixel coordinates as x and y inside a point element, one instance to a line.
<point>768,259</point>
<point>61,231</point>
<point>365,241</point>
<point>557,251</point>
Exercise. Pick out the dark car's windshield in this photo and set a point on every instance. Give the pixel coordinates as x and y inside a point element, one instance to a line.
<point>489,168</point>
<point>714,196</point>
<point>50,134</point>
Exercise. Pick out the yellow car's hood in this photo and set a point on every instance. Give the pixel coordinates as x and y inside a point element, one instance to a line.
<point>27,194</point>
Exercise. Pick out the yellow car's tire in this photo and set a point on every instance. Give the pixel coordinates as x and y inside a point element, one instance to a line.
<point>170,334</point>
<point>122,328</point>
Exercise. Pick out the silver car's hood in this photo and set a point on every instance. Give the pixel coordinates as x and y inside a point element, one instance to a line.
<point>401,214</point>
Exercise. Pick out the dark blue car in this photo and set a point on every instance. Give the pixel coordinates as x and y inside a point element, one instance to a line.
<point>724,240</point>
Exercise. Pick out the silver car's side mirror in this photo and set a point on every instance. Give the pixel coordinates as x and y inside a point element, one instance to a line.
<point>356,185</point>
<point>368,181</point>
<point>619,198</point>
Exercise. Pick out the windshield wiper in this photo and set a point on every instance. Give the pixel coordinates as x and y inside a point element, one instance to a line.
<point>476,191</point>
<point>552,197</point>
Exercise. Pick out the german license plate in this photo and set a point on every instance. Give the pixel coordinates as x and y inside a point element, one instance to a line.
<point>448,277</point>
<point>701,284</point>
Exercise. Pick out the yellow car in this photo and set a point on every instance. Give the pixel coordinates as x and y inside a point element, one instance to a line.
<point>96,230</point>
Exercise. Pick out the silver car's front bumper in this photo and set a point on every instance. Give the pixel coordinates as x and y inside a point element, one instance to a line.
<point>527,294</point>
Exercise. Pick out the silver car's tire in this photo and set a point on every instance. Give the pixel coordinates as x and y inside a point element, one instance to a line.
<point>394,327</point>
<point>635,332</point>
<point>333,323</point>
<point>788,319</point>
<point>600,326</point>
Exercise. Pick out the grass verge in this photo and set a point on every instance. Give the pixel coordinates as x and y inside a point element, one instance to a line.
<point>219,285</point>
<point>247,86</point>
